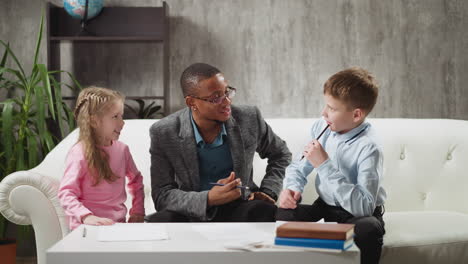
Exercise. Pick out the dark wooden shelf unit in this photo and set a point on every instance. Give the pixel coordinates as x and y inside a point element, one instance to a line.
<point>113,24</point>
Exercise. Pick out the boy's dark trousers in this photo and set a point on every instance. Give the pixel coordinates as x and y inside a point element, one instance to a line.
<point>235,211</point>
<point>368,230</point>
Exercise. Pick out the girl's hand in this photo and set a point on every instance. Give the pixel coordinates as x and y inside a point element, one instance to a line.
<point>136,219</point>
<point>94,220</point>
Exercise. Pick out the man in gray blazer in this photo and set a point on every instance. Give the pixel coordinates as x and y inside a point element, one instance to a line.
<point>202,156</point>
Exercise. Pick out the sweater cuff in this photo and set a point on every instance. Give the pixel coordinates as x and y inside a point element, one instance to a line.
<point>269,193</point>
<point>210,210</point>
<point>295,188</point>
<point>82,213</point>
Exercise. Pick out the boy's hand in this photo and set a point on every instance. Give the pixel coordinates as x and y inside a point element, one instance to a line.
<point>315,153</point>
<point>261,196</point>
<point>219,195</point>
<point>136,219</point>
<point>94,220</point>
<point>288,199</point>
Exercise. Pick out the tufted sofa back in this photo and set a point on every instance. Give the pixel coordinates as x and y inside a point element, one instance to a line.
<point>425,160</point>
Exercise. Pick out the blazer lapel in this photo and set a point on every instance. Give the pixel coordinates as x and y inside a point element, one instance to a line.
<point>188,149</point>
<point>236,145</point>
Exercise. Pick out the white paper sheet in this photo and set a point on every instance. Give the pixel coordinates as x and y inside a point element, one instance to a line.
<point>230,231</point>
<point>132,232</point>
<point>278,223</point>
<point>233,235</point>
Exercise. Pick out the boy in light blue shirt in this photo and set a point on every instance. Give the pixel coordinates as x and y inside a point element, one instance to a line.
<point>348,162</point>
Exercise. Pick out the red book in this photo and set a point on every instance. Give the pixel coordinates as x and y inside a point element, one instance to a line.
<point>315,230</point>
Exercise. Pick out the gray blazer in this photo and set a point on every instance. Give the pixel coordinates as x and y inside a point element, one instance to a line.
<point>175,180</point>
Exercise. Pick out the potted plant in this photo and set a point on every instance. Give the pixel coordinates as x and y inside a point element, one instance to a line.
<point>144,111</point>
<point>33,118</point>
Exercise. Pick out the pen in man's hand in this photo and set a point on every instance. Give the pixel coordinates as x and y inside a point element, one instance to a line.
<point>238,186</point>
<point>323,131</point>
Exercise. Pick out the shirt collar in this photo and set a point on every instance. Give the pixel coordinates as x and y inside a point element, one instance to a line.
<point>199,139</point>
<point>353,133</point>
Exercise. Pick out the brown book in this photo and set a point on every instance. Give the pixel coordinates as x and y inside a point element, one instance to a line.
<point>315,230</point>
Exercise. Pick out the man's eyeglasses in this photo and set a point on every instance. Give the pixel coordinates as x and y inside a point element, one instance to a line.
<point>230,93</point>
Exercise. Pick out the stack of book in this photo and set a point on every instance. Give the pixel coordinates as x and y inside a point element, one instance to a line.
<point>315,235</point>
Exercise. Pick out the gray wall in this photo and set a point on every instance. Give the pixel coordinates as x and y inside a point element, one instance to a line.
<point>278,53</point>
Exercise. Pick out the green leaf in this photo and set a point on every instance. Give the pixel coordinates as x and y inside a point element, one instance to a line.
<point>4,56</point>
<point>18,75</point>
<point>2,70</point>
<point>7,128</point>
<point>32,154</point>
<point>39,38</point>
<point>2,166</point>
<point>3,61</point>
<point>58,104</point>
<point>70,117</point>
<point>46,82</point>
<point>33,79</point>
<point>48,141</point>
<point>18,101</point>
<point>145,112</point>
<point>154,110</point>
<point>7,47</point>
<point>150,105</point>
<point>20,163</point>
<point>9,85</point>
<point>40,116</point>
<point>77,84</point>
<point>148,110</point>
<point>141,103</point>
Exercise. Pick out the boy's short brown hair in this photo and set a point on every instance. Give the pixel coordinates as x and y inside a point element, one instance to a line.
<point>355,87</point>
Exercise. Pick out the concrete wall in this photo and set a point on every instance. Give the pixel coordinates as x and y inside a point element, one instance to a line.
<point>278,53</point>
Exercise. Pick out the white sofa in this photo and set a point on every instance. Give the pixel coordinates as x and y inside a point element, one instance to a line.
<point>425,175</point>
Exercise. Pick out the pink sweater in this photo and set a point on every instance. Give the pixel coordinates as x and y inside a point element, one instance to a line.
<point>79,198</point>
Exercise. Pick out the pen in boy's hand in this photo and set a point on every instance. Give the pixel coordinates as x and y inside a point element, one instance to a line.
<point>323,131</point>
<point>238,186</point>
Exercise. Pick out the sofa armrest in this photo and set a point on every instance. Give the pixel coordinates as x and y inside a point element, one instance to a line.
<point>29,198</point>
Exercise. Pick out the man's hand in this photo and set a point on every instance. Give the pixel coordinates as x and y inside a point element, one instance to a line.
<point>94,220</point>
<point>315,153</point>
<point>136,219</point>
<point>219,195</point>
<point>261,196</point>
<point>288,199</point>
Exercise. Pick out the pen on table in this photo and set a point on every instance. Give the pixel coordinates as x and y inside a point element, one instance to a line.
<point>238,186</point>
<point>84,231</point>
<point>323,131</point>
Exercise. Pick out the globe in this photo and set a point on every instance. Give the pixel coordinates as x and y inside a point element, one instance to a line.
<point>76,8</point>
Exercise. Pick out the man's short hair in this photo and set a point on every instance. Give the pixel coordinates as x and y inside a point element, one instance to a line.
<point>194,74</point>
<point>355,87</point>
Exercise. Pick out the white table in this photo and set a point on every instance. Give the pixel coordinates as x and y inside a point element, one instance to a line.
<point>184,246</point>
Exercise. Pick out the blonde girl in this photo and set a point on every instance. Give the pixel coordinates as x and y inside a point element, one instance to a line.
<point>92,190</point>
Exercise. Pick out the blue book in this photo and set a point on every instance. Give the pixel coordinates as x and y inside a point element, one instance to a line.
<point>314,243</point>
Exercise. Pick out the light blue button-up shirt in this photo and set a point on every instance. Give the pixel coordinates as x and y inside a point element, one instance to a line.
<point>352,175</point>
